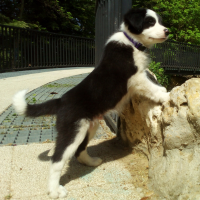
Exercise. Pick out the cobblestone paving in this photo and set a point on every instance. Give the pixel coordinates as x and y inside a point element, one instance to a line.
<point>16,129</point>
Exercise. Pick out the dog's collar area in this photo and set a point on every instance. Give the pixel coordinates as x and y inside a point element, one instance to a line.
<point>138,45</point>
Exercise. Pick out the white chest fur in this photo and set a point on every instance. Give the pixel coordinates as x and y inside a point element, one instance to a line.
<point>141,60</point>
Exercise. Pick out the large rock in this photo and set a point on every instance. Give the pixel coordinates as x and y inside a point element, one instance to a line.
<point>169,135</point>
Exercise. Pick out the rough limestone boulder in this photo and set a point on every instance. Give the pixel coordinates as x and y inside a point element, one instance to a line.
<point>169,135</point>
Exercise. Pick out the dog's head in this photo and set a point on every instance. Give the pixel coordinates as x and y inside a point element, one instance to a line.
<point>146,26</point>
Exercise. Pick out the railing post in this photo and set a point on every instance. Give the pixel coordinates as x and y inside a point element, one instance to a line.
<point>109,16</point>
<point>126,5</point>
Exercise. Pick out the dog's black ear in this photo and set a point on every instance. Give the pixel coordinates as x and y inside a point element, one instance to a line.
<point>134,18</point>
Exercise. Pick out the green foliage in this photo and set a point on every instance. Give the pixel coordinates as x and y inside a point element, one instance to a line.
<point>162,78</point>
<point>16,23</point>
<point>4,19</point>
<point>182,17</point>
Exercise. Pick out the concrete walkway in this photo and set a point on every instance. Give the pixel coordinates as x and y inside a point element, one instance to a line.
<point>24,168</point>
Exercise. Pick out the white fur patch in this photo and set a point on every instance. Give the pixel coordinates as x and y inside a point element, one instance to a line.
<point>141,60</point>
<point>19,102</point>
<point>84,158</point>
<point>55,190</point>
<point>152,14</point>
<point>119,37</point>
<point>140,84</point>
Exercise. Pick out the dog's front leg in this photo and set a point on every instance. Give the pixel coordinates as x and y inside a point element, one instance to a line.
<point>141,84</point>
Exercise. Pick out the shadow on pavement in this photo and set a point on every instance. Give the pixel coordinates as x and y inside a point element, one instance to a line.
<point>108,150</point>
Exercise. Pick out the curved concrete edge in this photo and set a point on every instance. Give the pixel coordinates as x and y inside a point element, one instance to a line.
<point>11,85</point>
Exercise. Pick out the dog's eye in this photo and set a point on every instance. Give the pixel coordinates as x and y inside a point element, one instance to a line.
<point>151,22</point>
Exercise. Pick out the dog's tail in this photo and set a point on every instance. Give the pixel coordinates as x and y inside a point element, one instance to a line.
<point>22,108</point>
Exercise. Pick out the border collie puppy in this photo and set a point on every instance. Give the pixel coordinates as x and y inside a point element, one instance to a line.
<point>120,74</point>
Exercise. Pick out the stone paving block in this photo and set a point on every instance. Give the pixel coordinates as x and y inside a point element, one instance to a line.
<point>5,124</point>
<point>7,140</point>
<point>1,120</point>
<point>22,129</point>
<point>12,134</point>
<point>21,140</point>
<point>47,132</point>
<point>20,118</point>
<point>12,130</point>
<point>22,134</point>
<point>34,136</point>
<point>24,123</point>
<point>32,139</point>
<point>18,123</point>
<point>45,137</point>
<point>3,131</point>
<point>35,133</point>
<point>2,136</point>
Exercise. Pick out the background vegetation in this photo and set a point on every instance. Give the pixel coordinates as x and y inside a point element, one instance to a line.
<point>162,78</point>
<point>182,17</point>
<point>73,17</point>
<point>77,17</point>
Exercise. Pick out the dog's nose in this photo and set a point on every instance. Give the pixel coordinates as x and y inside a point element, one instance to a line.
<point>166,32</point>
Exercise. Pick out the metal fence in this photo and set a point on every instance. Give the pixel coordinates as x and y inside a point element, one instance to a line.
<point>177,58</point>
<point>22,49</point>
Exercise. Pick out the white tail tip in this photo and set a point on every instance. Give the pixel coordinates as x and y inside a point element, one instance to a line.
<point>19,102</point>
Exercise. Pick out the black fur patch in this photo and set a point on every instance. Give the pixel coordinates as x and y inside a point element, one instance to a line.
<point>134,20</point>
<point>49,107</point>
<point>149,22</point>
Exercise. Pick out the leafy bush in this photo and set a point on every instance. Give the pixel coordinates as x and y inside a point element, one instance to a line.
<point>162,78</point>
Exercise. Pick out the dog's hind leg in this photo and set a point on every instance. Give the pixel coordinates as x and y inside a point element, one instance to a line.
<point>64,150</point>
<point>81,153</point>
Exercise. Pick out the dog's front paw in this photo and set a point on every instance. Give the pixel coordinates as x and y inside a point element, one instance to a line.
<point>164,97</point>
<point>163,89</point>
<point>59,192</point>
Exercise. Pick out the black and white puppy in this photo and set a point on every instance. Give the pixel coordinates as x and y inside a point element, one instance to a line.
<point>120,74</point>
